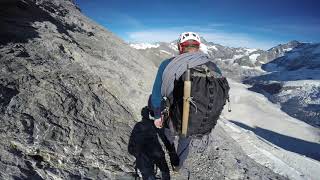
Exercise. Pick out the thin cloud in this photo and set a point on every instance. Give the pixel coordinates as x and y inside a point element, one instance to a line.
<point>287,29</point>
<point>237,40</point>
<point>129,20</point>
<point>297,28</point>
<point>214,25</point>
<point>152,36</point>
<point>114,17</point>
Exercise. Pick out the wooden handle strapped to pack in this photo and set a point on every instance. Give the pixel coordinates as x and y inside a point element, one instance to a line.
<point>186,102</point>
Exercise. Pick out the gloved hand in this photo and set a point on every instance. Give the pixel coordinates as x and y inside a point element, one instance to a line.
<point>158,122</point>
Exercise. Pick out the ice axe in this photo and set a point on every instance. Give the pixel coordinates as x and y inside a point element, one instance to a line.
<point>186,102</point>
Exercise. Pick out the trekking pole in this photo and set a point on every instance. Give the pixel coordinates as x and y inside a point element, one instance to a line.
<point>186,102</point>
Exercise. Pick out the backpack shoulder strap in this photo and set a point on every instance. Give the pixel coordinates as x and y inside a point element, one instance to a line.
<point>208,69</point>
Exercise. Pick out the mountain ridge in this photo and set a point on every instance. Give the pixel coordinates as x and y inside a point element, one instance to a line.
<point>234,61</point>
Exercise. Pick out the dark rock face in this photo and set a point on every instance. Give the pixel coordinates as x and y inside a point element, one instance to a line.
<point>70,92</point>
<point>6,95</point>
<point>58,117</point>
<point>272,88</point>
<point>303,56</point>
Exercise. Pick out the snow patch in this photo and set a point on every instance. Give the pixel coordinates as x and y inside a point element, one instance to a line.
<point>204,48</point>
<point>258,68</point>
<point>253,57</point>
<point>173,46</point>
<point>238,56</point>
<point>251,50</point>
<point>213,47</point>
<point>166,52</point>
<point>303,83</point>
<point>144,45</point>
<point>239,50</point>
<point>287,49</point>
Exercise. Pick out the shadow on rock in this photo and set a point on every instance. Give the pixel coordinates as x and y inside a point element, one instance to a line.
<point>17,18</point>
<point>146,148</point>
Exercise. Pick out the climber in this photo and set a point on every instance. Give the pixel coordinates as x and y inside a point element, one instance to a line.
<point>210,88</point>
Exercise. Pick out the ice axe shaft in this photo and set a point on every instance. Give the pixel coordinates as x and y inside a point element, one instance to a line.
<point>186,102</point>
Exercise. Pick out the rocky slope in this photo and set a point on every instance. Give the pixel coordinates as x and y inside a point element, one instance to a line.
<point>70,93</point>
<point>218,156</point>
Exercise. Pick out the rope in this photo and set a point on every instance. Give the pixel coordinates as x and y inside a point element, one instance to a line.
<point>190,99</point>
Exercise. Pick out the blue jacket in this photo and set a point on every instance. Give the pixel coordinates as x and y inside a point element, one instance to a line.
<point>156,96</point>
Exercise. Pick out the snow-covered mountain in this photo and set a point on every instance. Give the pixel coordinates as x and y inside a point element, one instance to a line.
<point>236,63</point>
<point>156,52</point>
<point>243,56</point>
<point>293,80</point>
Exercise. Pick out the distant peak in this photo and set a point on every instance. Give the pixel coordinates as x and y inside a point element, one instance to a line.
<point>294,42</point>
<point>204,41</point>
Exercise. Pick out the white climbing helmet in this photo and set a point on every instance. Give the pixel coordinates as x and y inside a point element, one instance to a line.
<point>189,36</point>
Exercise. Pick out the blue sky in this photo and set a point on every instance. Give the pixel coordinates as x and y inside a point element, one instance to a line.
<point>249,23</point>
